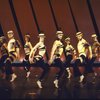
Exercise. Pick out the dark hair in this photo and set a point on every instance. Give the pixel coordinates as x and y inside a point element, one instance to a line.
<point>27,36</point>
<point>3,40</point>
<point>41,31</point>
<point>59,29</point>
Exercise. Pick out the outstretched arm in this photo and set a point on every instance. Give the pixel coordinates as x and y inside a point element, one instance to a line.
<point>90,52</point>
<point>32,53</point>
<point>88,46</point>
<point>52,52</point>
<point>18,46</point>
<point>30,45</point>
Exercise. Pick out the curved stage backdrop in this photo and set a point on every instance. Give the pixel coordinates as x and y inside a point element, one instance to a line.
<point>31,16</point>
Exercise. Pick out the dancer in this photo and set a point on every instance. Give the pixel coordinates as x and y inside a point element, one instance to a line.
<point>84,51</point>
<point>27,49</point>
<point>95,52</point>
<point>38,59</point>
<point>4,54</point>
<point>13,51</point>
<point>70,54</point>
<point>95,47</point>
<point>55,58</point>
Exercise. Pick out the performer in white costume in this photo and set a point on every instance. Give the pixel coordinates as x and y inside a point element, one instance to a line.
<point>55,58</point>
<point>38,59</point>
<point>13,51</point>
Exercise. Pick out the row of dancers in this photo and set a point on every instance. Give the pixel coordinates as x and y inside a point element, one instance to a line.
<point>85,53</point>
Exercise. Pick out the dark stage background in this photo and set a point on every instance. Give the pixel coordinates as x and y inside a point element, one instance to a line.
<point>31,16</point>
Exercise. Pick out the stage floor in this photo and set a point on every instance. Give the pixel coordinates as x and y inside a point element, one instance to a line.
<point>23,88</point>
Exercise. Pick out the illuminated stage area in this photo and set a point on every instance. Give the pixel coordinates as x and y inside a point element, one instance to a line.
<point>23,88</point>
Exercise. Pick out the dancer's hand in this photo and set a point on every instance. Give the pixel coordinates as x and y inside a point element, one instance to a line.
<point>50,61</point>
<point>90,56</point>
<point>31,60</point>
